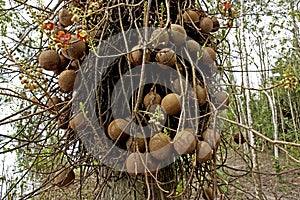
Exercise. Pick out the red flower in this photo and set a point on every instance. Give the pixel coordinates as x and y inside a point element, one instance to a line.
<point>227,5</point>
<point>62,37</point>
<point>48,25</point>
<point>82,35</point>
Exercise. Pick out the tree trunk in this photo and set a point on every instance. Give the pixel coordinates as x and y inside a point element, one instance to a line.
<point>252,140</point>
<point>121,185</point>
<point>274,120</point>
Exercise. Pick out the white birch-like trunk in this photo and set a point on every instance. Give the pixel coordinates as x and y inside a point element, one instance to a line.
<point>246,80</point>
<point>242,119</point>
<point>274,120</point>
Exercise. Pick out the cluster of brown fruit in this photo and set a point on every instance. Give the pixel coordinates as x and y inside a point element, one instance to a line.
<point>161,148</point>
<point>201,20</point>
<point>166,57</point>
<point>148,154</point>
<point>77,122</point>
<point>64,61</point>
<point>176,35</point>
<point>51,60</point>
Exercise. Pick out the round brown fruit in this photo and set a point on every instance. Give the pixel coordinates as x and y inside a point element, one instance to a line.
<point>222,100</point>
<point>140,163</point>
<point>63,121</point>
<point>166,57</point>
<point>201,94</point>
<point>64,17</point>
<point>64,62</point>
<point>75,65</point>
<point>135,144</point>
<point>160,37</point>
<point>239,138</point>
<point>117,130</point>
<point>160,146</point>
<point>193,46</point>
<point>52,102</point>
<point>206,25</point>
<point>185,142</point>
<point>178,34</point>
<point>190,16</point>
<point>204,152</point>
<point>136,56</point>
<point>66,80</point>
<point>75,50</point>
<point>216,24</point>
<point>78,122</point>
<point>64,177</point>
<point>171,104</point>
<point>49,60</point>
<point>212,138</point>
<point>208,56</point>
<point>151,99</point>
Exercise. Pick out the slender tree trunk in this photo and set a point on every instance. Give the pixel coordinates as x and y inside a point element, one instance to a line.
<point>243,119</point>
<point>281,116</point>
<point>293,116</point>
<point>252,140</point>
<point>274,120</point>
